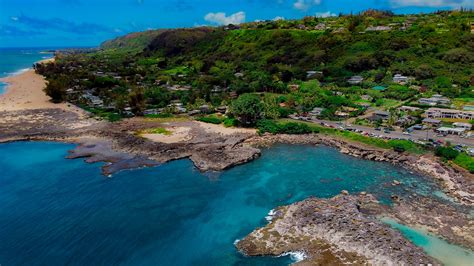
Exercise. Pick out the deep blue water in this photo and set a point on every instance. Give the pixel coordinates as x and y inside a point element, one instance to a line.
<point>16,60</point>
<point>56,211</point>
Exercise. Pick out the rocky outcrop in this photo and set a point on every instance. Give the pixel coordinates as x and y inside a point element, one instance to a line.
<point>343,229</point>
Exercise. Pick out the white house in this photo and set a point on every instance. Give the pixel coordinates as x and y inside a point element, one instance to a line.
<point>355,80</point>
<point>435,100</point>
<point>462,125</point>
<point>398,78</point>
<point>449,113</point>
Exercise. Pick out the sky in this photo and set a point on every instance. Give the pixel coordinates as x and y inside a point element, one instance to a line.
<point>87,23</point>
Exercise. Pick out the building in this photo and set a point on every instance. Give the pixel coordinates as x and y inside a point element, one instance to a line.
<point>341,114</point>
<point>435,100</point>
<point>320,26</point>
<point>408,109</point>
<point>355,80</point>
<point>431,121</point>
<point>378,28</point>
<point>449,113</point>
<point>381,115</point>
<point>316,111</point>
<point>313,74</point>
<point>462,125</point>
<point>449,130</point>
<point>398,78</point>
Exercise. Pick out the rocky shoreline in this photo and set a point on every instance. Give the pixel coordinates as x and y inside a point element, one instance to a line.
<point>119,145</point>
<point>341,230</point>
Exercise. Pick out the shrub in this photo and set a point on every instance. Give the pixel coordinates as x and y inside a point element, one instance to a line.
<point>294,128</point>
<point>209,119</point>
<point>447,153</point>
<point>273,127</point>
<point>269,126</point>
<point>230,122</point>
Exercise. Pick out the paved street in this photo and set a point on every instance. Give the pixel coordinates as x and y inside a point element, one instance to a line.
<point>416,135</point>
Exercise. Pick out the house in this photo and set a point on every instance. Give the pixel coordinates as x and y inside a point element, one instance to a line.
<point>449,113</point>
<point>378,28</point>
<point>400,79</point>
<point>462,125</point>
<point>449,130</point>
<point>355,80</point>
<point>380,115</point>
<point>320,26</point>
<point>205,109</point>
<point>406,120</point>
<point>431,121</point>
<point>436,99</point>
<point>316,111</point>
<point>313,74</point>
<point>222,109</point>
<point>366,97</point>
<point>151,112</point>
<point>341,114</point>
<point>408,109</point>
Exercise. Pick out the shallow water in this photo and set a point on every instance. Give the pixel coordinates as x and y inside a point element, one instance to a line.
<point>58,211</point>
<point>16,60</point>
<point>448,254</point>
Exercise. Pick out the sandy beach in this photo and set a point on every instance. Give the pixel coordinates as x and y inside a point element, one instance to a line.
<point>25,92</point>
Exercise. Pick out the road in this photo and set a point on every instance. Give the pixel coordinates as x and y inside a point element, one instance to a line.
<point>416,135</point>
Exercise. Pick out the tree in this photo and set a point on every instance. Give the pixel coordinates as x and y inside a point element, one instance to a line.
<point>56,89</point>
<point>247,108</point>
<point>137,101</point>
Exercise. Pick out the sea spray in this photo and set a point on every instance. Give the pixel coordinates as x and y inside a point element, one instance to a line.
<point>295,256</point>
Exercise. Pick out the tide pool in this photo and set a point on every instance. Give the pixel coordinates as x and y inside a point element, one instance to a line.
<point>58,211</point>
<point>448,254</point>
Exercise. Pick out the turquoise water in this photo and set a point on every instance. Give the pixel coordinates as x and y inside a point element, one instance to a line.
<point>16,60</point>
<point>57,211</point>
<point>448,254</point>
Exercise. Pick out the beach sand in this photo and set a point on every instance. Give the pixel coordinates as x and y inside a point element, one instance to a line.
<point>25,92</point>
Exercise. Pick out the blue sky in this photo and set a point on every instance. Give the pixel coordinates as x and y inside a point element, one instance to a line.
<point>69,23</point>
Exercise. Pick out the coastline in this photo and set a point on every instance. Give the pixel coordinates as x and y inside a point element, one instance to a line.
<point>210,148</point>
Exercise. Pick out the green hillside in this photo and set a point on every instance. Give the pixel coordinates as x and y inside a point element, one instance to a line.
<point>215,65</point>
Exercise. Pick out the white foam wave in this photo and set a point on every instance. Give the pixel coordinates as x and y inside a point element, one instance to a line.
<point>295,256</point>
<point>270,215</point>
<point>236,241</point>
<point>21,71</point>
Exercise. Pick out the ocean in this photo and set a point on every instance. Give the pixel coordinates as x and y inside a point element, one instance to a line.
<point>57,211</point>
<point>17,60</point>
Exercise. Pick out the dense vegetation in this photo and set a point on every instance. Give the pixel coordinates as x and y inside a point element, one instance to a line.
<point>215,64</point>
<point>261,72</point>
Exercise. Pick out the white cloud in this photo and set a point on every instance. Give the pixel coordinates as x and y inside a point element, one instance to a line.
<point>433,3</point>
<point>220,18</point>
<point>305,4</point>
<point>325,14</point>
<point>278,18</point>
